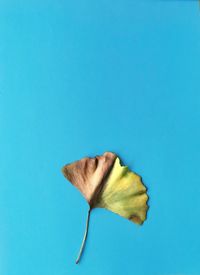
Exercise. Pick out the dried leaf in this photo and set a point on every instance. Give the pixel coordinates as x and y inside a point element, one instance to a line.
<point>106,184</point>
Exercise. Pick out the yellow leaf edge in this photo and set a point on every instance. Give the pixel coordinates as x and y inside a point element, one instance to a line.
<point>124,194</point>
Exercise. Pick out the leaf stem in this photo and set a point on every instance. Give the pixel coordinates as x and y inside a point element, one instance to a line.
<point>84,238</point>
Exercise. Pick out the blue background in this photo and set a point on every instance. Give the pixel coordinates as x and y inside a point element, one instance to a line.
<point>78,78</point>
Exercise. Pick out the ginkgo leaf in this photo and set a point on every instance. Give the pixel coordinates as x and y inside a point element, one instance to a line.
<point>106,184</point>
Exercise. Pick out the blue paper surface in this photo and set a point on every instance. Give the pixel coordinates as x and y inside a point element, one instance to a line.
<point>78,78</point>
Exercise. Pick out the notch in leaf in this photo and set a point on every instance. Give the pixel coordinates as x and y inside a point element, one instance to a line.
<point>105,183</point>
